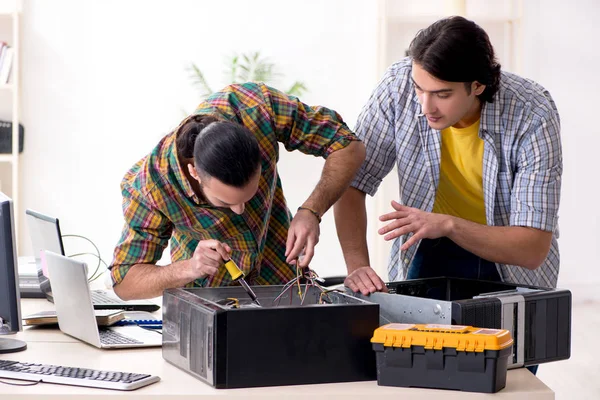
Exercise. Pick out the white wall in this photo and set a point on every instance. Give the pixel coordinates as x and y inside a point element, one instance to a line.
<point>104,80</point>
<point>560,52</point>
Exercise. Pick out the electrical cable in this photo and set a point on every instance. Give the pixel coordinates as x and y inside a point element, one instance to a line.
<point>93,277</point>
<point>311,278</point>
<point>20,384</point>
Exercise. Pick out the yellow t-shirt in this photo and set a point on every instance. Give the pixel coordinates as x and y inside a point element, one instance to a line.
<point>460,191</point>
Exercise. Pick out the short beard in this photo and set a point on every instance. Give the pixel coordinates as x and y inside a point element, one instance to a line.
<point>204,196</point>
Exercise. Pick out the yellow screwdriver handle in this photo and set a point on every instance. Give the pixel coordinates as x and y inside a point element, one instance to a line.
<point>235,272</point>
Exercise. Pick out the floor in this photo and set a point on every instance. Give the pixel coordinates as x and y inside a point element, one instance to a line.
<point>578,377</point>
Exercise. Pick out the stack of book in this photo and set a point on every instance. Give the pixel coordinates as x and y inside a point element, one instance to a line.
<point>29,283</point>
<point>6,62</point>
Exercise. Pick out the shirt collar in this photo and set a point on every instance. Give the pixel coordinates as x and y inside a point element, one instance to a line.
<point>491,115</point>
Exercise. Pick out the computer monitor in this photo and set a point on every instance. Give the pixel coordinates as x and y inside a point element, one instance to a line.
<point>10,299</point>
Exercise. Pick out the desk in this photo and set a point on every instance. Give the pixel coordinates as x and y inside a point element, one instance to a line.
<point>53,347</point>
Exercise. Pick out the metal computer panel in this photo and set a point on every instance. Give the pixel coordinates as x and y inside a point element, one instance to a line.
<point>498,312</point>
<point>407,309</point>
<point>188,326</point>
<point>280,343</point>
<point>420,301</point>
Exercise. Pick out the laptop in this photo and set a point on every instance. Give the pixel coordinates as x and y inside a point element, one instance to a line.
<point>46,236</point>
<point>75,312</point>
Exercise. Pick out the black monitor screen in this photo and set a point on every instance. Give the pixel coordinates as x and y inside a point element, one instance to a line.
<point>10,311</point>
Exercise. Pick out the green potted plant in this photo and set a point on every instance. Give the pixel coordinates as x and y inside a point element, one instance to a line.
<point>241,68</point>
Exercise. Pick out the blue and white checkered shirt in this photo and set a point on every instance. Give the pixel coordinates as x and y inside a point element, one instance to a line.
<point>522,161</point>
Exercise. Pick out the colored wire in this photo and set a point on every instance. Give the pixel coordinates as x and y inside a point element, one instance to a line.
<point>93,277</point>
<point>311,278</point>
<point>298,277</point>
<point>236,302</point>
<point>326,293</point>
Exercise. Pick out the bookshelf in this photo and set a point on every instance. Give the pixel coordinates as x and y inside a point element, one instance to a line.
<point>9,107</point>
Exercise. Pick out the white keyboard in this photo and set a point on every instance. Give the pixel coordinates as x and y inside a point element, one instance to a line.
<point>74,376</point>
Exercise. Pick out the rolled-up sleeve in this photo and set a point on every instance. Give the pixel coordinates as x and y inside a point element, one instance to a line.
<point>536,188</point>
<point>375,128</point>
<point>313,130</point>
<point>145,235</point>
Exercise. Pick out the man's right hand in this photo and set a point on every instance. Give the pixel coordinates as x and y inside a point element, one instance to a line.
<point>365,280</point>
<point>208,258</point>
<point>145,281</point>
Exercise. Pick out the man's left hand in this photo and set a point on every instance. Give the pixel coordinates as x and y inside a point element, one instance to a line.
<point>423,224</point>
<point>302,238</point>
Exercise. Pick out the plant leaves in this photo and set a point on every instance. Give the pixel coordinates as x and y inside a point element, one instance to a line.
<point>297,89</point>
<point>199,81</point>
<point>245,67</point>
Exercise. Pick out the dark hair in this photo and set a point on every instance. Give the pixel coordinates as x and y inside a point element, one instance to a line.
<point>455,49</point>
<point>223,150</point>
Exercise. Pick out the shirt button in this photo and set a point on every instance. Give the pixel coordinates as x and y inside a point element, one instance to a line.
<point>406,260</point>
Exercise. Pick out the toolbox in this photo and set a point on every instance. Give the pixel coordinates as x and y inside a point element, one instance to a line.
<point>442,356</point>
<point>539,319</point>
<point>222,337</point>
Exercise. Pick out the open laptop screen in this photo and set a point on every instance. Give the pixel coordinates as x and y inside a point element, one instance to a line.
<point>45,235</point>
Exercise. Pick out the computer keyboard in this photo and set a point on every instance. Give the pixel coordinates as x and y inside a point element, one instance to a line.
<point>108,337</point>
<point>99,297</point>
<point>64,375</point>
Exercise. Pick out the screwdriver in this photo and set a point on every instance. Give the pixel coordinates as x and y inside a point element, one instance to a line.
<point>237,275</point>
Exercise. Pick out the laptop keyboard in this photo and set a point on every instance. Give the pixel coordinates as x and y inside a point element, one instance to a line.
<point>74,376</point>
<point>110,337</point>
<point>102,298</point>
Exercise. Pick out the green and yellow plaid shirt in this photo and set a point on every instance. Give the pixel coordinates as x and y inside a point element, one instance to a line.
<point>159,203</point>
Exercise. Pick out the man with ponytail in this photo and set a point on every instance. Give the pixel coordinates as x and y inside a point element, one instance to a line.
<point>479,162</point>
<point>211,188</point>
